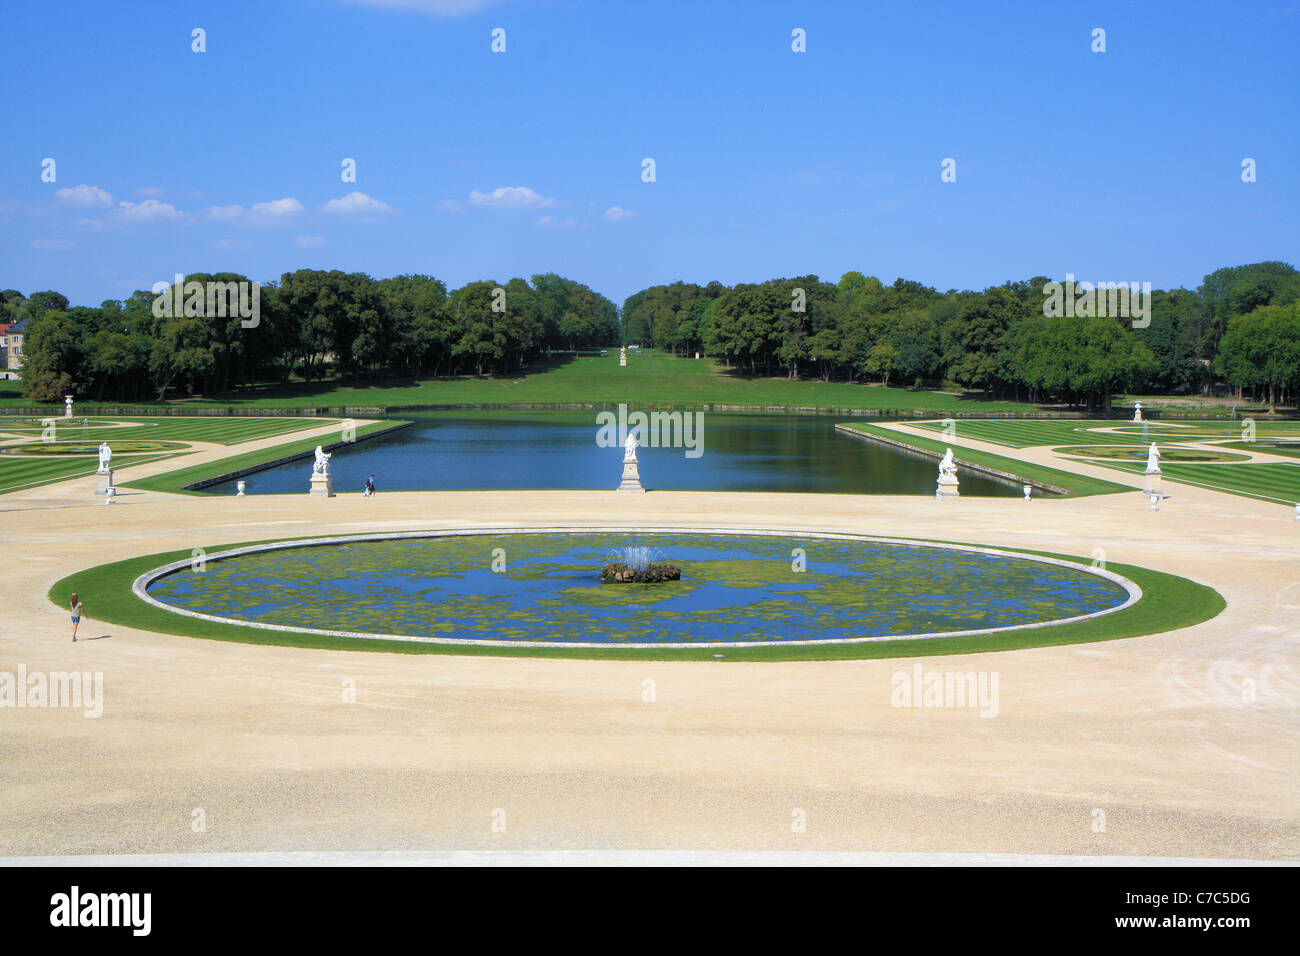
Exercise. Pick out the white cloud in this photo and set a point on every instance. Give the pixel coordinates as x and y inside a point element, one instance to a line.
<point>151,210</point>
<point>618,214</point>
<point>276,208</point>
<point>258,214</point>
<point>437,8</point>
<point>356,205</point>
<point>309,242</point>
<point>93,225</point>
<point>84,196</point>
<point>229,245</point>
<point>511,197</point>
<point>150,191</point>
<point>54,245</point>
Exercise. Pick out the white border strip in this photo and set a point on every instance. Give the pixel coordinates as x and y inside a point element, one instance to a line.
<point>449,858</point>
<point>140,587</point>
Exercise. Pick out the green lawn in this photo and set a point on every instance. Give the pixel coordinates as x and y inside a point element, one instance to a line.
<point>175,481</point>
<point>1220,429</point>
<point>1076,485</point>
<point>18,474</point>
<point>1269,481</point>
<point>650,378</point>
<point>218,430</point>
<point>1169,602</point>
<point>1032,434</point>
<point>1266,447</point>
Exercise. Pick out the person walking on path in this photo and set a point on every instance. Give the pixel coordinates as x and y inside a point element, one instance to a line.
<point>370,486</point>
<point>76,616</point>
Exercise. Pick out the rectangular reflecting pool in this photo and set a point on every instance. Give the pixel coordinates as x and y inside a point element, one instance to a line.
<point>496,450</point>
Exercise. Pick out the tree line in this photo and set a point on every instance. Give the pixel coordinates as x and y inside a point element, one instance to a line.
<point>310,324</point>
<point>1239,325</point>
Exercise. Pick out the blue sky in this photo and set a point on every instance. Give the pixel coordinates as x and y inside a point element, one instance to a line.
<point>1115,166</point>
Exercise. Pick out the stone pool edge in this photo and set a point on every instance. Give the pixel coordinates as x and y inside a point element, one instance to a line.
<point>140,585</point>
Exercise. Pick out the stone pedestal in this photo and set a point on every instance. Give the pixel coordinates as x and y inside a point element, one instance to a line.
<point>631,477</point>
<point>322,485</point>
<point>947,488</point>
<point>105,481</point>
<point>1153,484</point>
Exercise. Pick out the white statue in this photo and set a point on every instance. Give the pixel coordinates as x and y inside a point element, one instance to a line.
<point>947,467</point>
<point>629,447</point>
<point>105,456</point>
<point>322,465</point>
<point>1137,411</point>
<point>1153,460</point>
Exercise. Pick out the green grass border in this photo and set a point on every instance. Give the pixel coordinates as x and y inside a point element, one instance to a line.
<point>1168,602</point>
<point>89,466</point>
<point>1077,486</point>
<point>177,482</point>
<point>1139,468</point>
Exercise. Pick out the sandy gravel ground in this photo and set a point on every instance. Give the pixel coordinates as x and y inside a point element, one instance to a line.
<point>1160,734</point>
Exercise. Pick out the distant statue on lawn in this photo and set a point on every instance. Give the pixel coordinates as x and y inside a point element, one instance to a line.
<point>322,465</point>
<point>947,467</point>
<point>629,447</point>
<point>1153,460</point>
<point>1137,411</point>
<point>105,456</point>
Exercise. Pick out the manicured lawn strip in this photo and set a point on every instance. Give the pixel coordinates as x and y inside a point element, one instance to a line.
<point>222,431</point>
<point>1169,602</point>
<point>1262,447</point>
<point>18,474</point>
<point>1027,434</point>
<point>1268,481</point>
<point>218,430</point>
<point>1034,433</point>
<point>1170,453</point>
<point>1220,429</point>
<point>1078,485</point>
<point>175,481</point>
<point>649,378</point>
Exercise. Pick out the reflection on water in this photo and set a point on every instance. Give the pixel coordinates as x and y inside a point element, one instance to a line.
<point>557,449</point>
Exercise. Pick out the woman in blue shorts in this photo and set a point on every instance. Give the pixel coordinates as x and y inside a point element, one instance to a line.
<point>76,616</point>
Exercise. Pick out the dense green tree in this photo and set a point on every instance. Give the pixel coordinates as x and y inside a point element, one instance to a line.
<point>1262,350</point>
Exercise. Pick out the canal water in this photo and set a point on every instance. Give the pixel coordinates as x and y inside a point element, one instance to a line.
<point>497,450</point>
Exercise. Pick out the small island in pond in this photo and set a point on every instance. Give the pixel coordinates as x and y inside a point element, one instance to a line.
<point>618,572</point>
